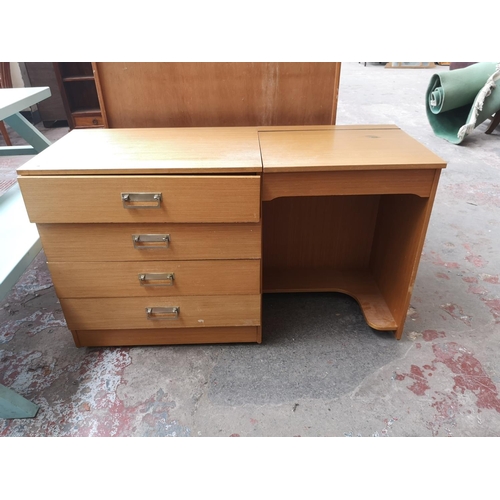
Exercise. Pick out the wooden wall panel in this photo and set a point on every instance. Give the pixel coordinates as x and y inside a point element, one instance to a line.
<point>218,94</point>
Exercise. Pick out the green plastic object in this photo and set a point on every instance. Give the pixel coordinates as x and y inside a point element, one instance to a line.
<point>28,132</point>
<point>458,101</point>
<point>12,405</point>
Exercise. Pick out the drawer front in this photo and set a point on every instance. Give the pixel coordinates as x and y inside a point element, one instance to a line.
<point>161,336</point>
<point>129,198</point>
<point>374,182</point>
<point>155,279</point>
<point>115,242</point>
<point>132,313</point>
<point>88,121</point>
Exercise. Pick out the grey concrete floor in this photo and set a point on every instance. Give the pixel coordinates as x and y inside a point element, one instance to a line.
<point>321,371</point>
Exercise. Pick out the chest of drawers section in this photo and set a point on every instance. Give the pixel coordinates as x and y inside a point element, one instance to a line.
<point>144,259</point>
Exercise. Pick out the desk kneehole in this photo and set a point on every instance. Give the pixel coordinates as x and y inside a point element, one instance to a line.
<point>357,232</point>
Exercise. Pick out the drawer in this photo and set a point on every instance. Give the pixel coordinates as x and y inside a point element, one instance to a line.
<point>115,242</point>
<point>131,198</point>
<point>161,336</point>
<point>131,313</point>
<point>88,121</point>
<point>155,278</point>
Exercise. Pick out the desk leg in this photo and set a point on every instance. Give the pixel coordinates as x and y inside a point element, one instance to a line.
<point>12,405</point>
<point>28,132</point>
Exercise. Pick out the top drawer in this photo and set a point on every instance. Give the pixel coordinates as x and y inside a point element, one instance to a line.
<point>59,199</point>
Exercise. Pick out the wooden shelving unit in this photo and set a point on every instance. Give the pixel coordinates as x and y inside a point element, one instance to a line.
<point>79,83</point>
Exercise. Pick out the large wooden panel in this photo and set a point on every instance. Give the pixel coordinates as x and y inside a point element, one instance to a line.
<point>218,94</point>
<point>121,279</point>
<point>114,242</point>
<point>130,313</point>
<point>99,198</point>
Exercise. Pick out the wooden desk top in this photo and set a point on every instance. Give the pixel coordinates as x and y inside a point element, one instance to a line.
<point>150,151</point>
<point>339,148</point>
<point>224,150</point>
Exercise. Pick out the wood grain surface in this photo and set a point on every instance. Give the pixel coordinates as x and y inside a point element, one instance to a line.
<point>80,199</point>
<point>318,232</point>
<point>130,313</point>
<point>297,184</point>
<point>337,149</point>
<point>150,151</point>
<point>212,94</point>
<point>160,336</point>
<point>121,279</point>
<point>113,242</point>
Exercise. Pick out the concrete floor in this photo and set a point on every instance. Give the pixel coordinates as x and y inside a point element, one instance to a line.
<point>321,371</point>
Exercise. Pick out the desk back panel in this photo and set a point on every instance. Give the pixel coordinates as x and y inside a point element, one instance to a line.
<point>334,232</point>
<point>218,94</point>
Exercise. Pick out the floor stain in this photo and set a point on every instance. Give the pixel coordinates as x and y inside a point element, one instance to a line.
<point>469,378</point>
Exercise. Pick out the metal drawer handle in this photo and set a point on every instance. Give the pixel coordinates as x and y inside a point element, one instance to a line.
<point>162,279</point>
<point>141,200</point>
<point>159,313</point>
<point>150,241</point>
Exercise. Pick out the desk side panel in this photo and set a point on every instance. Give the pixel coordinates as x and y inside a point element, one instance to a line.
<point>397,246</point>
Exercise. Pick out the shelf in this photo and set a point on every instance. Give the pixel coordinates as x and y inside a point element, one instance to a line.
<point>78,85</point>
<point>75,69</point>
<point>360,285</point>
<point>86,112</point>
<point>70,79</point>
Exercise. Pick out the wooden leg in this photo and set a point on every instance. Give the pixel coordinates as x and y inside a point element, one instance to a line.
<point>28,132</point>
<point>12,405</point>
<point>6,137</point>
<point>494,123</point>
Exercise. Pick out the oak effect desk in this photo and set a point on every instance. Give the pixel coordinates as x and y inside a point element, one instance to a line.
<point>170,236</point>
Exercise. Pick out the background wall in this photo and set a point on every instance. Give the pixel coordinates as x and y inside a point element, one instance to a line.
<point>16,74</point>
